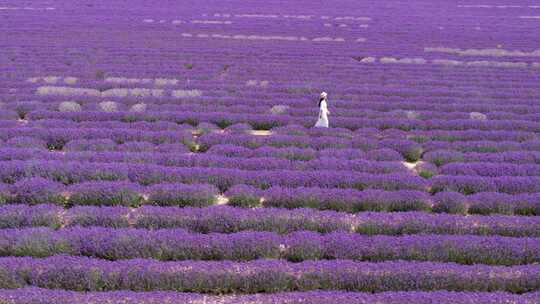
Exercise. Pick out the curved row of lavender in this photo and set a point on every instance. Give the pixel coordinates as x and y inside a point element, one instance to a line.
<point>164,152</point>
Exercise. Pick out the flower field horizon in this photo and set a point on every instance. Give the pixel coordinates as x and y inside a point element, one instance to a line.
<point>165,152</point>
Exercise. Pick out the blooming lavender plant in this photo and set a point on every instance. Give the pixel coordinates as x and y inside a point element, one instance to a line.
<point>243,196</point>
<point>105,193</point>
<point>450,202</point>
<point>182,195</point>
<point>36,190</point>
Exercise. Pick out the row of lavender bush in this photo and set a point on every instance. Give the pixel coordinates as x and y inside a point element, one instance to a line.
<point>351,200</point>
<point>175,159</point>
<point>490,169</point>
<point>256,121</point>
<point>56,138</point>
<point>108,139</point>
<point>473,184</point>
<point>177,244</point>
<point>146,152</point>
<point>453,130</point>
<point>443,157</point>
<point>38,190</point>
<point>40,148</point>
<point>88,274</point>
<point>223,178</point>
<point>439,153</point>
<point>291,161</point>
<point>481,146</point>
<point>343,109</point>
<point>103,139</point>
<point>438,157</point>
<point>226,219</point>
<point>456,105</point>
<point>33,295</point>
<point>410,150</point>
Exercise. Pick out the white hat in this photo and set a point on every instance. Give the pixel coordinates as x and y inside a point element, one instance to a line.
<point>323,95</point>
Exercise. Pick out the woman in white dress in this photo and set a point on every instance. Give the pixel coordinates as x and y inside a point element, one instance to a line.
<point>323,111</point>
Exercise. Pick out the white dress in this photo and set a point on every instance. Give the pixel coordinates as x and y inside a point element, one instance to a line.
<point>323,115</point>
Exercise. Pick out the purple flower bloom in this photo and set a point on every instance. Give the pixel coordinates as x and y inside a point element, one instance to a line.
<point>196,195</point>
<point>105,193</point>
<point>37,190</point>
<point>450,202</point>
<point>244,196</point>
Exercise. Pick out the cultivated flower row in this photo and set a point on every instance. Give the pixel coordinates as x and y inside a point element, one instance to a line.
<point>37,190</point>
<point>490,169</point>
<point>180,157</point>
<point>143,152</point>
<point>109,139</point>
<point>177,244</point>
<point>449,198</point>
<point>268,121</point>
<point>375,100</point>
<point>227,219</point>
<point>56,138</point>
<point>40,148</point>
<point>482,146</point>
<point>84,138</point>
<point>465,141</point>
<point>153,126</point>
<point>374,200</point>
<point>443,157</point>
<point>422,119</point>
<point>88,274</point>
<point>405,147</point>
<point>223,178</point>
<point>473,184</point>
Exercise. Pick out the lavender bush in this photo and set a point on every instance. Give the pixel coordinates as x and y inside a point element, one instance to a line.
<point>105,194</point>
<point>244,196</point>
<point>37,190</point>
<point>182,195</point>
<point>450,202</point>
<point>346,200</point>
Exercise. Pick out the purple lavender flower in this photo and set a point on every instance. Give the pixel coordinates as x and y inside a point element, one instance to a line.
<point>37,190</point>
<point>105,193</point>
<point>243,196</point>
<point>26,142</point>
<point>410,150</point>
<point>196,195</point>
<point>450,202</point>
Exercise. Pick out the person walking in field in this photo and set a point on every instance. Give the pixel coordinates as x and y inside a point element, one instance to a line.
<point>323,111</point>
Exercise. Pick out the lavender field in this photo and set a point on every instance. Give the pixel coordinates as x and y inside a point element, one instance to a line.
<point>164,152</point>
